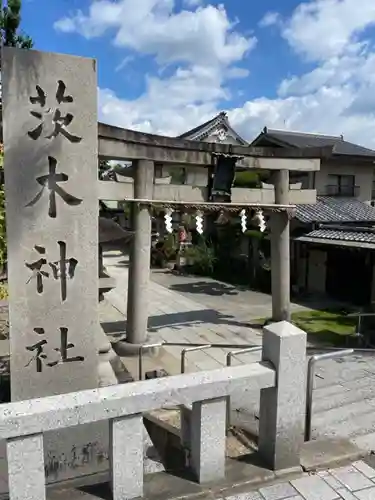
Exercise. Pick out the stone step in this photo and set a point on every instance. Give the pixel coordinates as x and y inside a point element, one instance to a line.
<point>339,399</point>
<point>365,442</point>
<point>343,413</point>
<point>354,426</point>
<point>340,375</point>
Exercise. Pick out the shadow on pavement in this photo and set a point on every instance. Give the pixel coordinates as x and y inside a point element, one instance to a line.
<point>205,287</point>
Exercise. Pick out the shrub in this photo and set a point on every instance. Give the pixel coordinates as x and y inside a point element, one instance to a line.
<point>250,178</point>
<point>170,247</point>
<point>164,251</point>
<point>202,258</point>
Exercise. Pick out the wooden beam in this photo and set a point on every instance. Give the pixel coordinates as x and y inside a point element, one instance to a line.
<point>124,144</point>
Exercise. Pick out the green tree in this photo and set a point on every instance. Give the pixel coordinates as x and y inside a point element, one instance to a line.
<point>10,20</point>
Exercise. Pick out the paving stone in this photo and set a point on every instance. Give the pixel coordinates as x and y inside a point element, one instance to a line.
<point>252,495</point>
<point>345,494</point>
<point>314,488</point>
<point>332,482</point>
<point>350,477</point>
<point>368,494</point>
<point>278,491</point>
<point>365,469</point>
<point>322,473</point>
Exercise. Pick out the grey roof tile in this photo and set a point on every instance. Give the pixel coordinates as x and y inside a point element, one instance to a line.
<point>342,235</point>
<point>303,140</point>
<point>332,209</point>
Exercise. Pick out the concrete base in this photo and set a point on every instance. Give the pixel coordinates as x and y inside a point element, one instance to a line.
<point>323,454</point>
<point>123,348</point>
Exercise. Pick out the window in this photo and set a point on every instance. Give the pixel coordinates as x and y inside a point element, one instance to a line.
<point>341,185</point>
<point>373,186</point>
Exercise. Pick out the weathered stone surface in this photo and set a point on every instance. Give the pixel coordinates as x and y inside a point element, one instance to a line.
<point>127,456</point>
<point>139,266</point>
<point>326,453</point>
<point>352,478</point>
<point>208,438</point>
<point>26,468</point>
<point>282,407</point>
<point>368,494</point>
<point>50,141</point>
<point>365,469</point>
<point>314,488</point>
<point>84,407</point>
<point>51,217</point>
<point>278,491</point>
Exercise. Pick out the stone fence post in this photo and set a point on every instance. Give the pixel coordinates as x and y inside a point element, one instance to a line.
<point>282,407</point>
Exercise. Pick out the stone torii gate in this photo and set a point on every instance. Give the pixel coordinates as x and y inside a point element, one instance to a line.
<point>146,149</point>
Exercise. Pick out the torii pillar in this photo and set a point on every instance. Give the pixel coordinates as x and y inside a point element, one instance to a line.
<point>140,255</point>
<point>280,250</point>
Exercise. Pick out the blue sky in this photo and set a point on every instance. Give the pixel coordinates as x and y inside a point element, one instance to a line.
<point>164,66</point>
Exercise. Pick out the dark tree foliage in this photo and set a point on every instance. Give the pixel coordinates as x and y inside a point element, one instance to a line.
<point>10,20</point>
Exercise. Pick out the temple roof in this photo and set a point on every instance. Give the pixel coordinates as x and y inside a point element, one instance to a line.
<point>287,138</point>
<point>332,209</point>
<point>205,129</point>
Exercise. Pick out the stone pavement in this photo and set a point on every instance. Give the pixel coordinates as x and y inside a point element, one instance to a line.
<point>175,318</point>
<point>350,482</point>
<point>217,295</point>
<point>344,395</point>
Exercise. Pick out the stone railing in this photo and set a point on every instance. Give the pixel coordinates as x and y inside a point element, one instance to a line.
<point>280,378</point>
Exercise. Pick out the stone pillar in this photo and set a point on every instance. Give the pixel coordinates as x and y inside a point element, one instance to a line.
<point>280,251</point>
<point>26,468</point>
<point>282,408</point>
<point>50,139</point>
<point>126,457</point>
<point>139,263</point>
<point>208,439</point>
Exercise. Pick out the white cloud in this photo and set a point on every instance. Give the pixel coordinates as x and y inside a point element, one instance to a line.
<point>270,19</point>
<point>322,112</point>
<point>322,29</point>
<point>335,97</point>
<point>204,36</point>
<point>127,60</point>
<point>188,97</point>
<point>192,3</point>
<point>203,43</point>
<point>237,73</point>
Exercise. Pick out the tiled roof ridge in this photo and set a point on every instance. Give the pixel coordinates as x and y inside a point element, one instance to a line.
<point>344,227</point>
<point>203,126</point>
<point>201,131</point>
<point>267,130</point>
<point>337,140</point>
